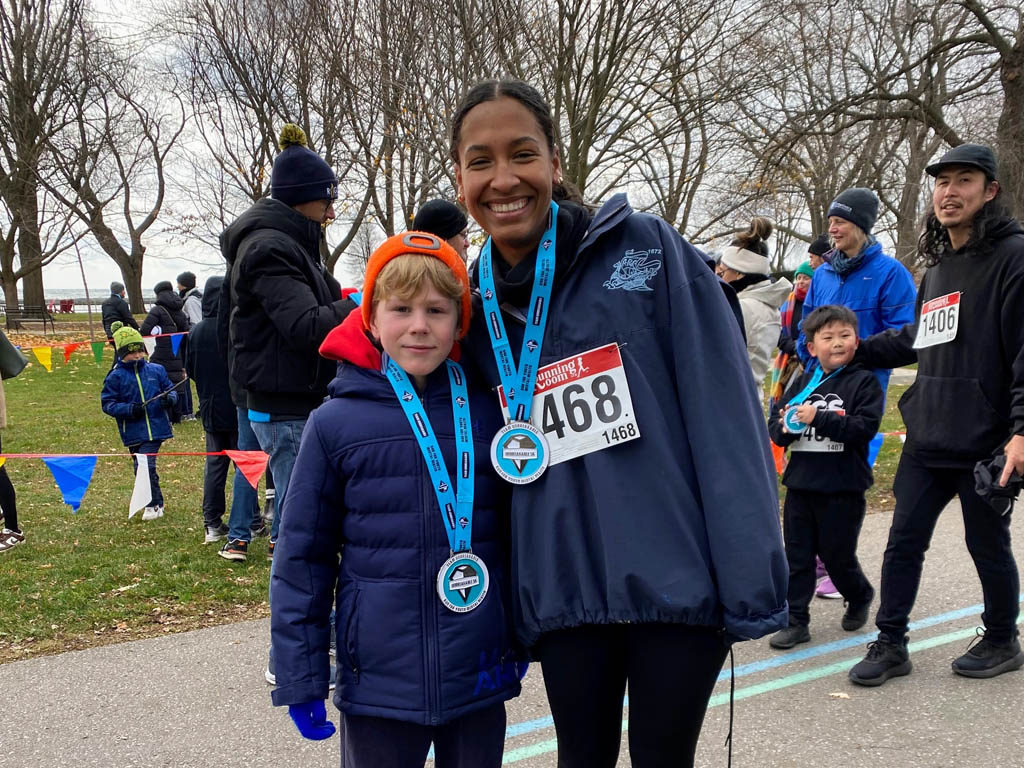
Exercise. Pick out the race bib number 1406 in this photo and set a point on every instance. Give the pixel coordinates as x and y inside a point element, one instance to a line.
<point>939,321</point>
<point>582,404</point>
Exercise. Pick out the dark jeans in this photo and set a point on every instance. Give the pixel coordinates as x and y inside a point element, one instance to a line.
<point>215,475</point>
<point>921,494</point>
<point>476,740</point>
<point>827,524</point>
<point>150,446</point>
<point>244,505</point>
<point>8,500</point>
<point>185,396</point>
<point>670,670</point>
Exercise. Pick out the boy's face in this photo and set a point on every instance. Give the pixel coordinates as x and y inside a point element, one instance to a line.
<point>417,334</point>
<point>834,345</point>
<point>131,357</point>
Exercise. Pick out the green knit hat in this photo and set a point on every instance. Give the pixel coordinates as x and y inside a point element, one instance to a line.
<point>804,269</point>
<point>126,338</point>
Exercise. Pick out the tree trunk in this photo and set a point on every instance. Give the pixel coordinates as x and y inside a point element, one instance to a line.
<point>30,248</point>
<point>1010,130</point>
<point>10,292</point>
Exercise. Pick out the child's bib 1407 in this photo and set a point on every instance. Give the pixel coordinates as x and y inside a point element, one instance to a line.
<point>940,320</point>
<point>582,404</point>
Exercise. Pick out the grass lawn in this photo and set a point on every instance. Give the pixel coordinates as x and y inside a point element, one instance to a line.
<point>95,577</point>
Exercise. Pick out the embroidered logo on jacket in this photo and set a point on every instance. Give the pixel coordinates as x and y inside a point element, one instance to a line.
<point>633,271</point>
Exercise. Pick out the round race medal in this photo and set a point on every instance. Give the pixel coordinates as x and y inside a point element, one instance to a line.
<point>462,582</point>
<point>519,452</point>
<point>793,424</point>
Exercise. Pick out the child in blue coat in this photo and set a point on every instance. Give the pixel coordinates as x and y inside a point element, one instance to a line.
<point>138,394</point>
<point>394,514</point>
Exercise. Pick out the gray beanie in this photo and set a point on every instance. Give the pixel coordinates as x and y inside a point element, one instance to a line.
<point>857,205</point>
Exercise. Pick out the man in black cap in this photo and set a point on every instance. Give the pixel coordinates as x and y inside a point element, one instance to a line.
<point>114,307</point>
<point>282,302</point>
<point>447,221</point>
<point>966,406</point>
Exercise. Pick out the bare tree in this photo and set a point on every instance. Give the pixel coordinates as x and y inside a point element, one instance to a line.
<point>110,161</point>
<point>36,40</point>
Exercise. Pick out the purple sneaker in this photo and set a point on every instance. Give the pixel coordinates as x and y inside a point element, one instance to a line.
<point>828,590</point>
<point>819,569</point>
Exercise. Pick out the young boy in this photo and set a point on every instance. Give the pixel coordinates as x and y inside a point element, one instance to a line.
<point>138,394</point>
<point>827,417</point>
<point>424,645</point>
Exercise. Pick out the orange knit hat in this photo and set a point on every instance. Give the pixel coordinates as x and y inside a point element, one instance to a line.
<point>415,243</point>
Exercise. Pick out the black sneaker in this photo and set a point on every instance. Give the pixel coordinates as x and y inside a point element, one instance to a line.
<point>884,660</point>
<point>259,529</point>
<point>792,635</point>
<point>856,616</point>
<point>987,658</point>
<point>234,550</point>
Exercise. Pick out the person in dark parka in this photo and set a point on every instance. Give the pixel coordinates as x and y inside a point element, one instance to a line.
<point>114,307</point>
<point>209,369</point>
<point>166,317</point>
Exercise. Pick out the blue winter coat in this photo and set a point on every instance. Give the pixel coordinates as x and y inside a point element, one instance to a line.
<point>136,382</point>
<point>880,291</point>
<point>360,491</point>
<point>681,525</point>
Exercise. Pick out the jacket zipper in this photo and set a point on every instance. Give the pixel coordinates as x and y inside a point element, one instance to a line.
<point>430,608</point>
<point>145,409</point>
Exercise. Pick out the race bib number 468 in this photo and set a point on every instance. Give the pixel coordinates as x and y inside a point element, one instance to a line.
<point>582,404</point>
<point>939,321</point>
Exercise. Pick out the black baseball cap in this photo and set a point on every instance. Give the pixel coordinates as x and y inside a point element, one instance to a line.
<point>972,155</point>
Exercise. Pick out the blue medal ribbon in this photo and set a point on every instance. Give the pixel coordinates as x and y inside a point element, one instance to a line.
<point>791,422</point>
<point>456,505</point>
<point>519,383</point>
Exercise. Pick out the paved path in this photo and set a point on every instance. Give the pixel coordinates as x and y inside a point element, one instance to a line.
<point>197,700</point>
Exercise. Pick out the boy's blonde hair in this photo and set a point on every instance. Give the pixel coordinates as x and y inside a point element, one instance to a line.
<point>405,276</point>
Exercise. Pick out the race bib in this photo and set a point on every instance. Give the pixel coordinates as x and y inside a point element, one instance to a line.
<point>939,321</point>
<point>582,404</point>
<point>813,442</point>
<point>810,440</point>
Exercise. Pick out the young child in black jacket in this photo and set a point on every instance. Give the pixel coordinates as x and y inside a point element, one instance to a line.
<point>827,417</point>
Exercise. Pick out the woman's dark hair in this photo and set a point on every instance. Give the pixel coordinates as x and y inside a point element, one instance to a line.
<point>754,239</point>
<point>934,241</point>
<point>822,316</point>
<point>529,97</point>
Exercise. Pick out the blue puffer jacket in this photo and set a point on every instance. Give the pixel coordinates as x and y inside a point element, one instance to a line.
<point>881,292</point>
<point>681,525</point>
<point>129,383</point>
<point>360,491</point>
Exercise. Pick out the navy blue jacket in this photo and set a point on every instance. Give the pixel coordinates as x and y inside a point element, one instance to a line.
<point>681,525</point>
<point>136,382</point>
<point>880,291</point>
<point>360,491</point>
<point>208,367</point>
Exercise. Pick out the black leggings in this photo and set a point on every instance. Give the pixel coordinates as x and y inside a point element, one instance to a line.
<point>8,501</point>
<point>671,671</point>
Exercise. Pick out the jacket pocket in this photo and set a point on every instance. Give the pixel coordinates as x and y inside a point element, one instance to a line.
<point>951,416</point>
<point>386,647</point>
<point>348,640</point>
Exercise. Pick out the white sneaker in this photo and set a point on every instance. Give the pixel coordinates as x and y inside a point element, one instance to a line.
<point>152,513</point>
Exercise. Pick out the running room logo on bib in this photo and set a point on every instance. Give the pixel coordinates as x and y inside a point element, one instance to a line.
<point>810,440</point>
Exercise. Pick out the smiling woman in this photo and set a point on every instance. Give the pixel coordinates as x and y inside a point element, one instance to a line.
<point>627,570</point>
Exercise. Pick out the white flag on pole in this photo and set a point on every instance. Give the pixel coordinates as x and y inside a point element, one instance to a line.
<point>150,343</point>
<point>142,492</point>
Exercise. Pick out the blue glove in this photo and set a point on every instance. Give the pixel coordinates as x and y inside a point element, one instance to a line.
<point>311,720</point>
